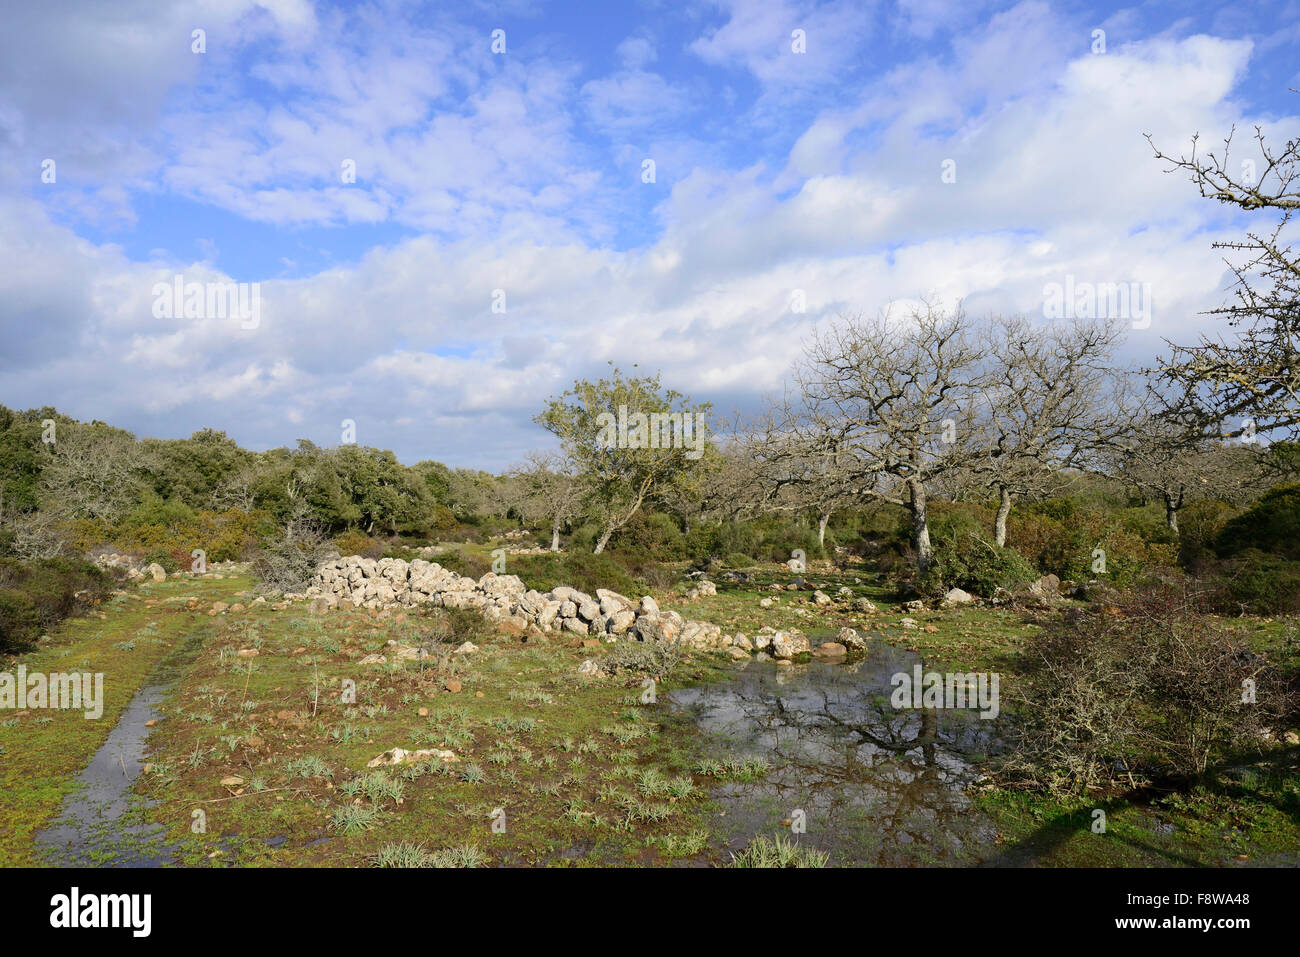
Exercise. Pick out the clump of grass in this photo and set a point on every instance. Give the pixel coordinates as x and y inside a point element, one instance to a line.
<point>778,851</point>
<point>376,786</point>
<point>682,845</point>
<point>308,767</point>
<point>402,854</point>
<point>472,774</point>
<point>354,819</point>
<point>462,855</point>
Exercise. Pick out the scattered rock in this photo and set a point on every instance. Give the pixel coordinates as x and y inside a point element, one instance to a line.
<point>156,572</point>
<point>248,652</point>
<point>453,686</point>
<point>850,638</point>
<point>232,781</point>
<point>402,756</point>
<point>787,644</point>
<point>830,649</point>
<point>908,622</point>
<point>956,596</point>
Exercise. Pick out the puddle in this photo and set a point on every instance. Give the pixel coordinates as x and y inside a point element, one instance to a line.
<point>90,830</point>
<point>877,786</point>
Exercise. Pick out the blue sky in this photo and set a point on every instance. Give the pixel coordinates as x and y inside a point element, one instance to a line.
<point>776,171</point>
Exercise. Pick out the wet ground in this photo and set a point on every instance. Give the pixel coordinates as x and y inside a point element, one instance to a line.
<point>871,784</point>
<point>875,785</point>
<point>96,824</point>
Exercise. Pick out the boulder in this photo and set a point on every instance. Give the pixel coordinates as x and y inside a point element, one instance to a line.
<point>787,644</point>
<point>956,596</point>
<point>851,638</point>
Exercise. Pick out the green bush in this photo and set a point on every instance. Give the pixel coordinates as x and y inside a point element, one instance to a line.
<point>1200,525</point>
<point>966,558</point>
<point>1271,525</point>
<point>1258,583</point>
<point>20,624</point>
<point>579,569</point>
<point>461,562</point>
<point>353,542</point>
<point>36,595</point>
<point>653,534</point>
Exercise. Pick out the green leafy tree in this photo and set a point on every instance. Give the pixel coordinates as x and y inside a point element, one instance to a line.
<point>628,437</point>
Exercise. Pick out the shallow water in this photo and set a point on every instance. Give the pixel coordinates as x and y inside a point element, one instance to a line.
<point>89,830</point>
<point>876,785</point>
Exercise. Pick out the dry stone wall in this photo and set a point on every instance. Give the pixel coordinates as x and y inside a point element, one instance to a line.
<point>507,602</point>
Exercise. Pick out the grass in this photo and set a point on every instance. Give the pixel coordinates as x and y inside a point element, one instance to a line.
<point>584,773</point>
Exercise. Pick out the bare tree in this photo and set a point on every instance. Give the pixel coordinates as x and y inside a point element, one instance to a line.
<point>1054,401</point>
<point>550,490</point>
<point>93,472</point>
<point>1250,384</point>
<point>881,403</point>
<point>1161,461</point>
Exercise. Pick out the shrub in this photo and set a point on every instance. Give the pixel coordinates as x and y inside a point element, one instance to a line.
<point>288,561</point>
<point>36,595</point>
<point>353,542</point>
<point>1160,683</point>
<point>1200,525</point>
<point>1257,583</point>
<point>580,569</point>
<point>462,562</point>
<point>964,559</point>
<point>652,658</point>
<point>1271,525</point>
<point>652,534</point>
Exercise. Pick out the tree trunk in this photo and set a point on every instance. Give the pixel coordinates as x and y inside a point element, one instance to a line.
<point>604,539</point>
<point>1000,523</point>
<point>920,527</point>
<point>822,521</point>
<point>555,534</point>
<point>1171,512</point>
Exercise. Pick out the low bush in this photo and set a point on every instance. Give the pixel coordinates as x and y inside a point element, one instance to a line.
<point>461,562</point>
<point>354,542</point>
<point>965,558</point>
<point>36,595</point>
<point>1256,582</point>
<point>579,569</point>
<point>652,658</point>
<point>1157,687</point>
<point>1271,526</point>
<point>287,562</point>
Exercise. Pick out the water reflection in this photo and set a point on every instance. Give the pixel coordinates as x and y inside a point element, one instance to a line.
<point>878,785</point>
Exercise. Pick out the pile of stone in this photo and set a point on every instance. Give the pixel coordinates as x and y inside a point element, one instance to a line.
<point>132,566</point>
<point>508,603</point>
<point>136,570</point>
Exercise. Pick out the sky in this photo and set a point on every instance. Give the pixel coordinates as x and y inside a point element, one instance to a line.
<point>452,211</point>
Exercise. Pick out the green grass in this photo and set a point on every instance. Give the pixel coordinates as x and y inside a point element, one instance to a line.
<point>584,774</point>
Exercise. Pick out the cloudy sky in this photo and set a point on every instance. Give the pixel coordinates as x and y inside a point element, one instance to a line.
<point>794,151</point>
